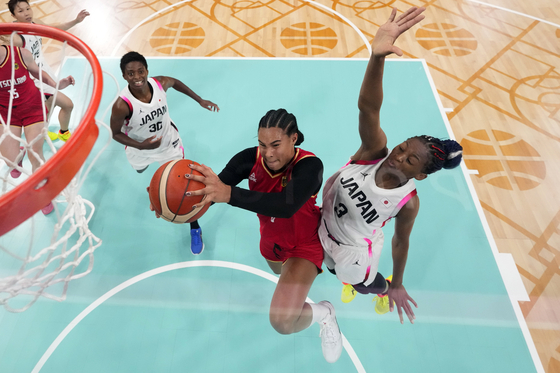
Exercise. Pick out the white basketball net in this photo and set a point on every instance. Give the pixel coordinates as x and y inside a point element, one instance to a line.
<point>40,257</point>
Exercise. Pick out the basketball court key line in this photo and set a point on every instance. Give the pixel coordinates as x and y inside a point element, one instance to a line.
<point>163,269</point>
<point>515,304</point>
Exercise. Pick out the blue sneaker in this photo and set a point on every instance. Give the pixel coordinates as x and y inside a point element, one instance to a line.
<point>196,241</point>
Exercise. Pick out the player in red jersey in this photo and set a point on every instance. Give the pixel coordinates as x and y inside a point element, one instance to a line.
<point>26,108</point>
<point>283,185</point>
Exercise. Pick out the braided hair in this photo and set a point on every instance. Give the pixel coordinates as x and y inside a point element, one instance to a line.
<point>282,119</point>
<point>441,153</point>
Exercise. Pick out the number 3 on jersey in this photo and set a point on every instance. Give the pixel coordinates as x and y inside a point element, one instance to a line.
<point>340,210</point>
<point>154,127</point>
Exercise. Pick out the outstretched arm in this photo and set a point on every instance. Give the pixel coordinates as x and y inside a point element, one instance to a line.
<point>403,227</point>
<point>168,82</point>
<point>307,176</point>
<point>374,141</point>
<point>33,69</point>
<point>68,25</point>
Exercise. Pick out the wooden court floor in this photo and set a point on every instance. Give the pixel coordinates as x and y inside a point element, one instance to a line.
<point>495,63</point>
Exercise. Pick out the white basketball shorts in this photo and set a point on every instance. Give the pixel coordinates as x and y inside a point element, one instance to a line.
<point>352,264</point>
<point>140,159</point>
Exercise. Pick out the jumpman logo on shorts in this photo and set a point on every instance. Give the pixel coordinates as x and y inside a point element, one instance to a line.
<point>357,263</point>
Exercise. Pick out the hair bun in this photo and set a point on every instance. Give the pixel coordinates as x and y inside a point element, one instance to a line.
<point>454,153</point>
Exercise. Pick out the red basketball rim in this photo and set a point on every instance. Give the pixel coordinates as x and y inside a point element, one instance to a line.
<point>47,182</point>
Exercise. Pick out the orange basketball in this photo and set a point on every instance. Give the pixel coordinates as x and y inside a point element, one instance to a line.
<point>167,192</point>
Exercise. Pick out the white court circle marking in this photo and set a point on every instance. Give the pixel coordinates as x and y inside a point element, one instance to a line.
<point>141,23</point>
<point>167,268</point>
<point>186,1</point>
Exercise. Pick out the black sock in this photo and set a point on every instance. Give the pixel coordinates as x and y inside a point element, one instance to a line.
<point>63,131</point>
<point>194,225</point>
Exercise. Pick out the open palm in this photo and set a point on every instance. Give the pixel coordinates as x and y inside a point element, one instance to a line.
<point>392,29</point>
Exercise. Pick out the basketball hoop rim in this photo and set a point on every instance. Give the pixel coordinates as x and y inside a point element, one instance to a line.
<point>25,200</point>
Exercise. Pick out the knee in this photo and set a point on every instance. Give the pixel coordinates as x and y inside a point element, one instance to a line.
<point>65,104</point>
<point>283,324</point>
<point>69,106</point>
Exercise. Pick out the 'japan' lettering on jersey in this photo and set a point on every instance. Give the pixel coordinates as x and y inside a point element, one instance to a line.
<point>354,207</point>
<point>148,119</point>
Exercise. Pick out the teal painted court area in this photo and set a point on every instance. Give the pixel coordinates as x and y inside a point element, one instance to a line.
<point>209,313</point>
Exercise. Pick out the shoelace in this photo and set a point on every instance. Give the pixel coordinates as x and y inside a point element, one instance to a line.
<point>197,238</point>
<point>328,332</point>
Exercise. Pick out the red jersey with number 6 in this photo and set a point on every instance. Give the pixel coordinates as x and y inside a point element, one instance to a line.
<point>301,228</point>
<point>24,89</point>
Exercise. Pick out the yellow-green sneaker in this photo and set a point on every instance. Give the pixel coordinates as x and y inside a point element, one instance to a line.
<point>348,293</point>
<point>382,304</point>
<point>382,300</point>
<point>64,136</point>
<point>52,135</point>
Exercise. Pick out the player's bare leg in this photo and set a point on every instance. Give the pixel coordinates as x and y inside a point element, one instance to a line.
<point>31,132</point>
<point>9,147</point>
<point>290,313</point>
<point>66,106</point>
<point>276,267</point>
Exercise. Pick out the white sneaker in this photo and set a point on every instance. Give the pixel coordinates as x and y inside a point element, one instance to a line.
<point>331,339</point>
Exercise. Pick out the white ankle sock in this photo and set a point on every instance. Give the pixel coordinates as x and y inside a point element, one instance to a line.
<point>319,312</point>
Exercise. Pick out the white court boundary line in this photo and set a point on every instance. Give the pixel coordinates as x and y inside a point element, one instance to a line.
<point>517,309</point>
<point>515,12</point>
<point>119,44</point>
<point>163,269</point>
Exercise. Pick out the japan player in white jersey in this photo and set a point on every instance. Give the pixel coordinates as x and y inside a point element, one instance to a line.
<point>377,185</point>
<point>23,13</point>
<point>140,121</point>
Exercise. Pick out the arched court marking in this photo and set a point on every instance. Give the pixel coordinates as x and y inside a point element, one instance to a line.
<point>167,268</point>
<point>114,52</point>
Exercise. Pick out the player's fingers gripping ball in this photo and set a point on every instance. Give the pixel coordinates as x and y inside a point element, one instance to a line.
<point>168,190</point>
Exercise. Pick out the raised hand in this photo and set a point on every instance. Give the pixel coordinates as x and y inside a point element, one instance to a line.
<point>387,34</point>
<point>82,15</point>
<point>209,105</point>
<point>69,80</point>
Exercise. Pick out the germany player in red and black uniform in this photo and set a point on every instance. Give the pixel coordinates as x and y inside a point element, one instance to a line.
<point>283,184</point>
<point>26,105</point>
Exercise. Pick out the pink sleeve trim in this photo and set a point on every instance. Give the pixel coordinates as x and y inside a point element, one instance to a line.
<point>158,84</point>
<point>406,199</point>
<point>128,103</point>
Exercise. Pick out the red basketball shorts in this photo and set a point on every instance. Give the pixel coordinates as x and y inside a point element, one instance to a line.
<point>26,114</point>
<point>312,251</point>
